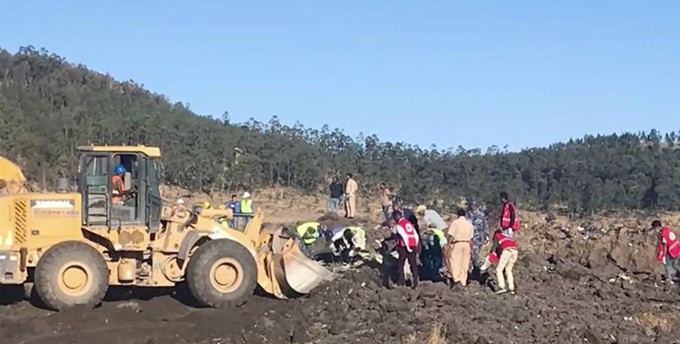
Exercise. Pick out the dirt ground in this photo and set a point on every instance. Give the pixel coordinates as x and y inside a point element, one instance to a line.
<point>586,281</point>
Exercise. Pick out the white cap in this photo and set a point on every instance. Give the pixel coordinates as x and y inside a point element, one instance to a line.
<point>180,201</point>
<point>246,194</point>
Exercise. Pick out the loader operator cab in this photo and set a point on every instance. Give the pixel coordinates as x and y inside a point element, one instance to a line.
<point>140,206</point>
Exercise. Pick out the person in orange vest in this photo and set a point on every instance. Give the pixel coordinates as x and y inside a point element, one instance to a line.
<point>667,249</point>
<point>407,246</point>
<point>509,222</point>
<point>118,183</point>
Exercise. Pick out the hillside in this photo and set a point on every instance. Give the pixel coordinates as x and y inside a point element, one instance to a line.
<point>49,106</point>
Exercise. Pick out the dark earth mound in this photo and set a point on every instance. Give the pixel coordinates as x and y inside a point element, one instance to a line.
<point>582,284</point>
<point>558,302</point>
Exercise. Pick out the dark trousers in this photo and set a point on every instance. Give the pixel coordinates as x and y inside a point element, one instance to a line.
<point>432,259</point>
<point>412,261</point>
<point>387,211</point>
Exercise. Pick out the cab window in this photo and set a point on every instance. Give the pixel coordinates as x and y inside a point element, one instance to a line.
<point>128,210</point>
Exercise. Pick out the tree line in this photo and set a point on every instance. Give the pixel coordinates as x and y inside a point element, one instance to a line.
<point>49,106</point>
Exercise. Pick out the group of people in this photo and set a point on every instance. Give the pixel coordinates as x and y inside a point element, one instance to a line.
<point>433,248</point>
<point>242,209</point>
<point>346,194</point>
<point>345,242</point>
<point>456,245</point>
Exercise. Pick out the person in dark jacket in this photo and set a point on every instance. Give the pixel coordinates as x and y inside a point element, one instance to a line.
<point>336,190</point>
<point>398,206</point>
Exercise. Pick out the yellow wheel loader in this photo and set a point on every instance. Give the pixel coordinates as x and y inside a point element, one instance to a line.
<point>68,248</point>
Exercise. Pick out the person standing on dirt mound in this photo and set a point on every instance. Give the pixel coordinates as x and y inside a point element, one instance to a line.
<point>385,201</point>
<point>459,248</point>
<point>478,219</point>
<point>509,222</point>
<point>351,189</point>
<point>407,246</point>
<point>667,250</point>
<point>336,193</point>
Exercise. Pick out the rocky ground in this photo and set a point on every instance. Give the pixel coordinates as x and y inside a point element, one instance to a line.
<point>579,281</point>
<point>557,302</point>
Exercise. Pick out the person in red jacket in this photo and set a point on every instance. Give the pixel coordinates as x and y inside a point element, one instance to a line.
<point>667,249</point>
<point>504,253</point>
<point>404,233</point>
<point>509,222</point>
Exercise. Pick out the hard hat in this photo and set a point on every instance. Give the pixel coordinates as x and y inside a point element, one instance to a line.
<point>119,169</point>
<point>246,194</point>
<point>421,209</point>
<point>180,201</point>
<point>206,205</point>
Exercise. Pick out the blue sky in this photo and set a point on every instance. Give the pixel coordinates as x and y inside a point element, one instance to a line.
<point>522,73</point>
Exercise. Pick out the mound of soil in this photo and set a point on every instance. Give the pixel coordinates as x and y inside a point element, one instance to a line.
<point>557,302</point>
<point>577,283</point>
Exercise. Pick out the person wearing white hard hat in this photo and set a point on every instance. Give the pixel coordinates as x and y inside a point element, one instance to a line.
<point>247,209</point>
<point>431,218</point>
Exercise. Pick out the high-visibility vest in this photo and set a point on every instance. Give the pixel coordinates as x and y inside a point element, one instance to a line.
<point>247,206</point>
<point>668,243</point>
<point>440,234</point>
<point>505,217</point>
<point>302,231</point>
<point>358,231</point>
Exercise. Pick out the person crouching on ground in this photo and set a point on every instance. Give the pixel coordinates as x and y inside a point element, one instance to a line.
<point>460,247</point>
<point>506,249</point>
<point>307,233</point>
<point>667,250</point>
<point>433,242</point>
<point>407,245</point>
<point>347,242</point>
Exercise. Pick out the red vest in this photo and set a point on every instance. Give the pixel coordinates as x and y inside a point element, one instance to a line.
<point>410,238</point>
<point>493,257</point>
<point>504,242</point>
<point>671,245</point>
<point>505,217</point>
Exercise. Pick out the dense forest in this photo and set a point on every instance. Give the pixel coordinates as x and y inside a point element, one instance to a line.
<point>49,106</point>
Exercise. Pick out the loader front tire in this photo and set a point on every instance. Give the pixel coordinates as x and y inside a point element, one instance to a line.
<point>70,274</point>
<point>221,273</point>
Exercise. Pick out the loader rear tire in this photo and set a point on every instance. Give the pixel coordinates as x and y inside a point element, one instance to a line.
<point>70,274</point>
<point>222,273</point>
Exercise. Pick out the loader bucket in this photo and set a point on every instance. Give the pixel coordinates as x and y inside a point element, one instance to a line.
<point>288,271</point>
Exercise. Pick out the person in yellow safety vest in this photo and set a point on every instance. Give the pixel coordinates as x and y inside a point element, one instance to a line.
<point>308,232</point>
<point>346,242</point>
<point>247,208</point>
<point>432,252</point>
